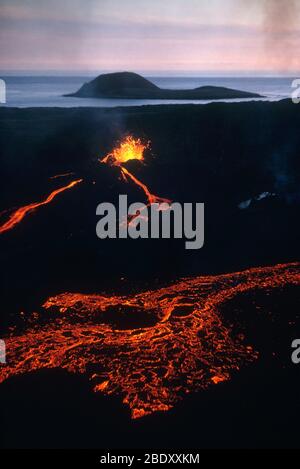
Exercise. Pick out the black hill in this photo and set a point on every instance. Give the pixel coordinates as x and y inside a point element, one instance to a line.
<point>128,85</point>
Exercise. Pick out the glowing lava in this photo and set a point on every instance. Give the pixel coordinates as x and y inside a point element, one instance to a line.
<point>63,175</point>
<point>132,149</point>
<point>185,347</point>
<point>17,216</point>
<point>129,149</point>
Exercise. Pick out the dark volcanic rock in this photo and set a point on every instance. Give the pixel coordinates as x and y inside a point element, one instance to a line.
<point>219,154</point>
<point>127,85</point>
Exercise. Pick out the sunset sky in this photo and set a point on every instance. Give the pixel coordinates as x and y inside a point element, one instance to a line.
<point>151,36</point>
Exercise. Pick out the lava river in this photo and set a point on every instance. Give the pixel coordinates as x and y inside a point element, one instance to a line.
<point>150,349</point>
<point>19,214</point>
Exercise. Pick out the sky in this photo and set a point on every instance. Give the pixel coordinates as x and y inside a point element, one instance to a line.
<point>180,37</point>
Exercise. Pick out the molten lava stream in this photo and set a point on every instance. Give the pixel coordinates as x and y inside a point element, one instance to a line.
<point>151,348</point>
<point>152,199</point>
<point>17,216</point>
<point>63,175</point>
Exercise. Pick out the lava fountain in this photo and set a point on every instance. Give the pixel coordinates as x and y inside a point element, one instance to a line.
<point>129,149</point>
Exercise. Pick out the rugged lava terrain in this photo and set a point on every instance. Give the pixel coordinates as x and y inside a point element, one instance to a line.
<point>186,348</point>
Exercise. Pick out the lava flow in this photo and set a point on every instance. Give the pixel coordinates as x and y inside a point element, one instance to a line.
<point>62,175</point>
<point>132,149</point>
<point>17,216</point>
<point>151,348</point>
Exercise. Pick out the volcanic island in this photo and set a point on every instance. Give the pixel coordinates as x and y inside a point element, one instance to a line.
<point>129,85</point>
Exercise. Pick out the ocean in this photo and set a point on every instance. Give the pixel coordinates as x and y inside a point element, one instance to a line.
<point>48,91</point>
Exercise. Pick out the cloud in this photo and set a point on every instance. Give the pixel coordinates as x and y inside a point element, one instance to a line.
<point>148,34</point>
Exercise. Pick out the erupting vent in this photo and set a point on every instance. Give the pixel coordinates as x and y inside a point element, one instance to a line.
<point>132,149</point>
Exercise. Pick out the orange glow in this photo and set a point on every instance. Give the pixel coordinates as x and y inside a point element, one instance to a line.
<point>17,216</point>
<point>150,197</point>
<point>129,149</point>
<point>132,149</point>
<point>62,175</point>
<point>187,346</point>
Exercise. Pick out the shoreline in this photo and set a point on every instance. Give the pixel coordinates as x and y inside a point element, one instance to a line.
<point>143,106</point>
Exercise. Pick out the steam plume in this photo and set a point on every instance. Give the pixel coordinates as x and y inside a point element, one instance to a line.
<point>280,21</point>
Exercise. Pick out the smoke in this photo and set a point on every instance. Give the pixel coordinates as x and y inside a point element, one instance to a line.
<point>279,14</point>
<point>280,23</point>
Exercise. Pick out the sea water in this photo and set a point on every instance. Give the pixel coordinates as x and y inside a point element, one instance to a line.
<point>48,91</point>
